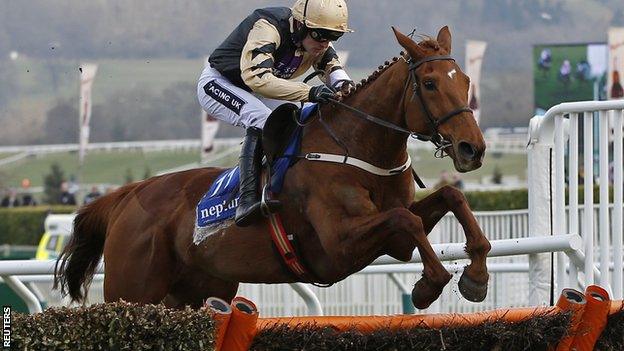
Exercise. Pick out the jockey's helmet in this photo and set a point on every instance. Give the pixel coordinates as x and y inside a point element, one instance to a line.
<point>328,17</point>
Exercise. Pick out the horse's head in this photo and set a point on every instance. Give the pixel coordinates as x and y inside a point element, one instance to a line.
<point>438,106</point>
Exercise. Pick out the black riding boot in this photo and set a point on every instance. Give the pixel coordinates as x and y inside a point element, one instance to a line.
<point>249,206</point>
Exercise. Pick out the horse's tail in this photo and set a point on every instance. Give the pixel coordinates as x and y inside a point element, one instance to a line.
<point>77,263</point>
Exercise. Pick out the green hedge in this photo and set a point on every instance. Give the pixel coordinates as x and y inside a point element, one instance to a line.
<point>498,200</point>
<point>24,225</point>
<point>509,199</point>
<point>491,200</point>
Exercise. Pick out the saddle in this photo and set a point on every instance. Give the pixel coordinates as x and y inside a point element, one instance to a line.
<point>281,142</point>
<point>278,130</point>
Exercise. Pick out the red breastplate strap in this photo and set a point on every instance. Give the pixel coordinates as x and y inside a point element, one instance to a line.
<point>284,247</point>
<point>283,243</point>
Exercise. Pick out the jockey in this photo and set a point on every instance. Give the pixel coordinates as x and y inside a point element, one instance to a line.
<point>250,75</point>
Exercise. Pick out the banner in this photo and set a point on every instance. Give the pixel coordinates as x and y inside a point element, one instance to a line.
<point>209,129</point>
<point>87,74</point>
<point>474,57</point>
<point>616,63</point>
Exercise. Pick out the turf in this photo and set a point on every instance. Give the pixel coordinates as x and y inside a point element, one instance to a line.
<point>112,167</point>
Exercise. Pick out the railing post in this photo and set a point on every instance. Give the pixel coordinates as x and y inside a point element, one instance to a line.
<point>33,304</point>
<point>539,181</point>
<point>406,295</point>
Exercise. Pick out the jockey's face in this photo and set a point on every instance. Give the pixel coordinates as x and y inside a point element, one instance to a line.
<point>313,46</point>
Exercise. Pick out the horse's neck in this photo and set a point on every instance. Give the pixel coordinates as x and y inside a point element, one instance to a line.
<point>381,98</point>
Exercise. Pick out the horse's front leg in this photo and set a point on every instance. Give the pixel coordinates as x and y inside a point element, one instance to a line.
<point>474,279</point>
<point>398,231</point>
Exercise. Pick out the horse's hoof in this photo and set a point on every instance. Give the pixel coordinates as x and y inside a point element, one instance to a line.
<point>472,290</point>
<point>424,294</point>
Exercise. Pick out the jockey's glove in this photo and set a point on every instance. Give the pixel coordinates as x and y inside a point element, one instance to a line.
<point>343,85</point>
<point>321,93</point>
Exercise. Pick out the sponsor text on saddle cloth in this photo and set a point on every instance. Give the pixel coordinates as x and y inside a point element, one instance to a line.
<point>220,202</point>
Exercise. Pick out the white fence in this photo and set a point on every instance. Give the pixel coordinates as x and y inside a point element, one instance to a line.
<point>371,292</point>
<point>556,141</point>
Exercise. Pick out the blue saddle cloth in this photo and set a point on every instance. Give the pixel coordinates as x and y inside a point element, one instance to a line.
<point>221,200</point>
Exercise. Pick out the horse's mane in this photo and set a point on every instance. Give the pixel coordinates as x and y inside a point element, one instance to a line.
<point>426,42</point>
<point>382,68</point>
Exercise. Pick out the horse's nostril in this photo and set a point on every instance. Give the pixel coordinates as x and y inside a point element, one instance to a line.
<point>467,151</point>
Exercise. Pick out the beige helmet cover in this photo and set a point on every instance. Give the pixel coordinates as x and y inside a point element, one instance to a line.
<point>325,14</point>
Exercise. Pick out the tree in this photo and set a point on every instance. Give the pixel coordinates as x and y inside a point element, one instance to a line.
<point>147,173</point>
<point>129,177</point>
<point>8,88</point>
<point>61,124</point>
<point>497,176</point>
<point>52,184</point>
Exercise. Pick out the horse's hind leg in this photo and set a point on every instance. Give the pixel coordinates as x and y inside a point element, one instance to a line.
<point>474,279</point>
<point>193,289</point>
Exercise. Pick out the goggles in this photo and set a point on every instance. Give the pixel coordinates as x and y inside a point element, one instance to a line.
<point>322,35</point>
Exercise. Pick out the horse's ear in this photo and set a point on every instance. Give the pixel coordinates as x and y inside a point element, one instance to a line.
<point>408,44</point>
<point>444,39</point>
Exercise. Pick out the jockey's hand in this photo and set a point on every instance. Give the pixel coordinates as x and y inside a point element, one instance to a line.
<point>343,85</point>
<point>321,93</point>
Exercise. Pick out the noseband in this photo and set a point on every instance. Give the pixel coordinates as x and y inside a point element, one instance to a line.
<point>434,123</point>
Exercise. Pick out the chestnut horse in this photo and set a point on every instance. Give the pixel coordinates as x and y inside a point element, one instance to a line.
<point>343,217</point>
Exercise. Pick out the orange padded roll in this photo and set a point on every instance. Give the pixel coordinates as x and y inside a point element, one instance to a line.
<point>221,313</point>
<point>594,318</point>
<point>242,327</point>
<point>367,324</point>
<point>573,301</point>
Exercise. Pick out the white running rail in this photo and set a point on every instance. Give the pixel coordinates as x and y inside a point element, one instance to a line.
<point>556,141</point>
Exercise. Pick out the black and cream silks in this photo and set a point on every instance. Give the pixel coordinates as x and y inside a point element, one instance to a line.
<point>261,56</point>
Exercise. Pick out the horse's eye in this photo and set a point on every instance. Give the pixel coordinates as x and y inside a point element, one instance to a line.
<point>429,85</point>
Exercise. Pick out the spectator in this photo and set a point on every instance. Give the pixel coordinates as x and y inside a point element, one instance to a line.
<point>72,185</point>
<point>66,198</point>
<point>458,182</point>
<point>94,194</point>
<point>10,200</point>
<point>565,72</point>
<point>27,198</point>
<point>445,179</point>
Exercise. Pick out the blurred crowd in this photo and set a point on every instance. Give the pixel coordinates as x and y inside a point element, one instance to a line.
<point>12,198</point>
<point>67,195</point>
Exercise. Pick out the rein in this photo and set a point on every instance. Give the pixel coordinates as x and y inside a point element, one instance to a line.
<point>435,137</point>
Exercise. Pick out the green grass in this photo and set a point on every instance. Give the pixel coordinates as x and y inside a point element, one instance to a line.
<point>509,165</point>
<point>112,167</point>
<point>49,80</point>
<point>157,75</point>
<point>99,167</point>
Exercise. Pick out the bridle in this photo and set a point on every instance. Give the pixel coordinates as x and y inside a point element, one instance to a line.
<point>434,123</point>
